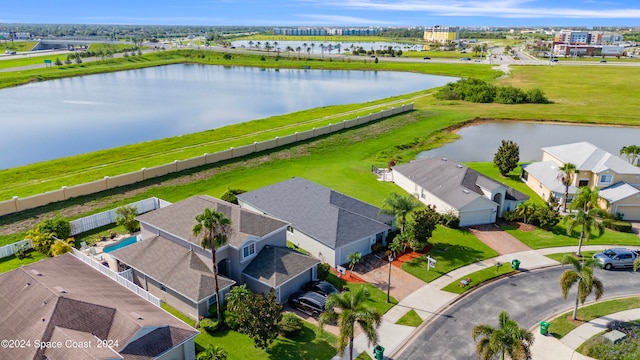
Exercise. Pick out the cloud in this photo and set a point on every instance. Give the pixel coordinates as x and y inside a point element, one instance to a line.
<point>491,8</point>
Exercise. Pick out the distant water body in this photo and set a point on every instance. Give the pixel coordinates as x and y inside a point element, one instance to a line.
<point>65,117</point>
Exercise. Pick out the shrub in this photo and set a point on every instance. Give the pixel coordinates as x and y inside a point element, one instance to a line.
<point>231,320</point>
<point>377,247</point>
<point>209,325</point>
<point>290,325</point>
<point>323,271</point>
<point>20,251</point>
<point>230,195</point>
<point>449,220</point>
<point>510,95</point>
<point>617,225</point>
<point>126,216</point>
<point>511,216</point>
<point>536,96</point>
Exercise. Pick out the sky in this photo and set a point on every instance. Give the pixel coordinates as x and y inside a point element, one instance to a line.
<point>513,13</point>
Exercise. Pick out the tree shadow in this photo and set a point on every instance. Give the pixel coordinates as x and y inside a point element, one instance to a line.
<point>306,345</point>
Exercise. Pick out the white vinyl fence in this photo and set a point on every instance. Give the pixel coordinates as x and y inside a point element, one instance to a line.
<point>10,249</point>
<point>124,278</point>
<point>109,217</point>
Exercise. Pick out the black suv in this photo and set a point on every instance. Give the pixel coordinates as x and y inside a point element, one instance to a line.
<point>324,288</point>
<point>308,302</point>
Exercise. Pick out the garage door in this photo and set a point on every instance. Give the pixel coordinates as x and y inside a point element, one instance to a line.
<point>630,212</point>
<point>477,217</point>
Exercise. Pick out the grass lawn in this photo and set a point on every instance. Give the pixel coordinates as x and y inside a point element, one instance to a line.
<point>539,239</point>
<point>563,324</point>
<point>11,262</point>
<point>452,248</point>
<point>310,344</point>
<point>377,298</point>
<point>363,356</point>
<point>478,278</point>
<point>411,318</point>
<point>558,257</point>
<point>173,311</point>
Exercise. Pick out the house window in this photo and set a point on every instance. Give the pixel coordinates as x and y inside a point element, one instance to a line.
<point>248,250</point>
<point>583,182</point>
<point>422,194</point>
<point>290,229</point>
<point>162,287</point>
<point>525,175</point>
<point>606,179</point>
<point>211,300</point>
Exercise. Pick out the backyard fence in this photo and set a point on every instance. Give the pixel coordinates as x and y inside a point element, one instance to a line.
<point>125,278</point>
<point>109,217</point>
<point>17,203</point>
<point>8,250</point>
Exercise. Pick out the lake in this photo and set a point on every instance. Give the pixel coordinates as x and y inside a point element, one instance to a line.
<point>65,117</point>
<point>480,141</point>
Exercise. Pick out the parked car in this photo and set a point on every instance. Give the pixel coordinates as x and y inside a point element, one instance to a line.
<point>426,58</point>
<point>323,288</point>
<point>308,302</point>
<point>466,59</point>
<point>616,258</point>
<point>603,61</point>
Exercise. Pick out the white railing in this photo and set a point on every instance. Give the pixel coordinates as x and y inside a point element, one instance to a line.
<point>117,277</point>
<point>109,217</point>
<point>8,250</point>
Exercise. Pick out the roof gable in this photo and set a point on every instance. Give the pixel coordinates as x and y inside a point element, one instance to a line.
<point>178,219</point>
<point>318,211</point>
<point>588,157</point>
<point>276,265</point>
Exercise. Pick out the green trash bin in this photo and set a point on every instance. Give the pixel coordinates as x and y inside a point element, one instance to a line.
<point>515,264</point>
<point>378,351</point>
<point>544,327</point>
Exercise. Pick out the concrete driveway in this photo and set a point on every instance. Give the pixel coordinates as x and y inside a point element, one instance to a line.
<point>497,239</point>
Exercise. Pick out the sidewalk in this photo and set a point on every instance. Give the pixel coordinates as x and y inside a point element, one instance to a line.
<point>430,300</point>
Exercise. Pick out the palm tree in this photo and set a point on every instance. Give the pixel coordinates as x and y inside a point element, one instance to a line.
<point>352,310</point>
<point>630,152</point>
<point>267,46</point>
<point>582,273</point>
<point>212,352</point>
<point>587,199</point>
<point>587,222</point>
<point>250,43</point>
<point>399,205</point>
<point>313,47</point>
<point>353,258</point>
<point>636,264</point>
<point>298,50</point>
<point>566,175</point>
<point>215,228</point>
<point>525,209</point>
<point>508,339</point>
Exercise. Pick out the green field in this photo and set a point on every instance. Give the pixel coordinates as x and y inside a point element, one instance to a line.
<point>540,239</point>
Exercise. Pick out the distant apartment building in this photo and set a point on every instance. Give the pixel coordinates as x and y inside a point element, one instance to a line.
<point>441,34</point>
<point>316,31</point>
<point>587,37</point>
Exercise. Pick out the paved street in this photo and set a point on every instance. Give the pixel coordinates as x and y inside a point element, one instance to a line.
<point>528,297</point>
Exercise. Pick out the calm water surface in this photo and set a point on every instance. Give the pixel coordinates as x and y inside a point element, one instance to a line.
<point>71,116</point>
<point>481,141</point>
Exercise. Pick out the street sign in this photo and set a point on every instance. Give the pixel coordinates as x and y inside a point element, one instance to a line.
<point>431,262</point>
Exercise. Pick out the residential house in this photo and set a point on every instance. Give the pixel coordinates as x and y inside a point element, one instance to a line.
<point>617,179</point>
<point>454,188</point>
<point>328,224</point>
<point>83,314</point>
<point>170,262</point>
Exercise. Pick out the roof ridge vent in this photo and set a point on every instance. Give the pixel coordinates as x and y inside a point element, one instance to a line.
<point>465,191</point>
<point>136,315</point>
<point>60,289</point>
<point>35,272</point>
<point>459,166</point>
<point>444,159</point>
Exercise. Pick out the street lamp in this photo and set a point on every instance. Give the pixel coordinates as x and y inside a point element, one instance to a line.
<point>389,280</point>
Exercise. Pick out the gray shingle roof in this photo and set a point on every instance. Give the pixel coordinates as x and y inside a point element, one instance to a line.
<point>328,216</point>
<point>588,157</point>
<point>64,297</point>
<point>547,173</point>
<point>174,266</point>
<point>276,265</point>
<point>451,182</point>
<point>178,219</point>
<point>618,191</point>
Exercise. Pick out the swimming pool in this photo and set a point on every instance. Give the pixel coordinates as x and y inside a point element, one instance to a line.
<point>125,242</point>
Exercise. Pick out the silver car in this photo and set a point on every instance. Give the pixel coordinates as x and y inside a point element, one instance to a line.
<point>616,258</point>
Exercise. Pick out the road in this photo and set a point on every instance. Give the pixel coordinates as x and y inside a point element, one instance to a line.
<point>529,297</point>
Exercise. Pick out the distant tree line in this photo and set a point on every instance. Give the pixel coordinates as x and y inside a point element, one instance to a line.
<point>479,91</point>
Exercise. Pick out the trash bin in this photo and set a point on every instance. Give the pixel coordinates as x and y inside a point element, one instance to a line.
<point>544,327</point>
<point>378,351</point>
<point>515,264</point>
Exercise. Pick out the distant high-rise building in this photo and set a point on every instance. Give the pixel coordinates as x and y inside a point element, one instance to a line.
<point>441,34</point>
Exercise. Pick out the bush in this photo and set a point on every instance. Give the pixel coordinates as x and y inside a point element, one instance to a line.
<point>510,95</point>
<point>231,320</point>
<point>536,96</point>
<point>449,220</point>
<point>209,325</point>
<point>511,216</point>
<point>323,271</point>
<point>290,325</point>
<point>617,225</point>
<point>230,195</point>
<point>377,247</point>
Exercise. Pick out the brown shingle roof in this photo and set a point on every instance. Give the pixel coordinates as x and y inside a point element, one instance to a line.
<point>275,265</point>
<point>178,219</point>
<point>33,307</point>
<point>172,265</point>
